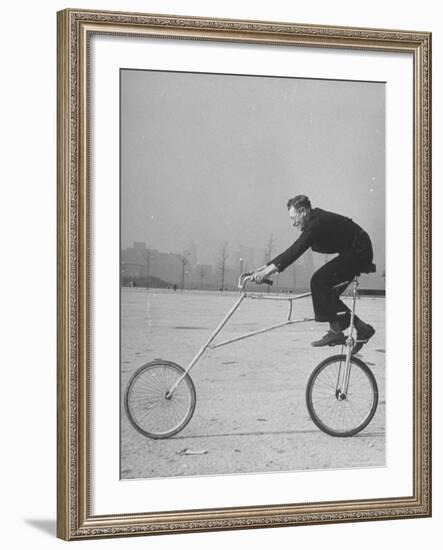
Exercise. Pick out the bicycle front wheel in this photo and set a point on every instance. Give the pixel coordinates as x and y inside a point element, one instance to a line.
<point>339,413</point>
<point>150,408</point>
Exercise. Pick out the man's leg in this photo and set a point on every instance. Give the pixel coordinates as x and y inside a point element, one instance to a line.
<point>326,300</point>
<point>328,306</point>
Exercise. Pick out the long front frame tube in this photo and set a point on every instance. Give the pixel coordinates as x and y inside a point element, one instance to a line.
<point>206,345</point>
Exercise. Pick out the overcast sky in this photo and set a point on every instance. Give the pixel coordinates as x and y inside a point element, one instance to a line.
<point>209,158</point>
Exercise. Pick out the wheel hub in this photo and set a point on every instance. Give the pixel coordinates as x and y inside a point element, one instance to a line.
<point>340,396</point>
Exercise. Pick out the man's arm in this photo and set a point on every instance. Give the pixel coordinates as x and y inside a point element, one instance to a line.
<point>286,258</point>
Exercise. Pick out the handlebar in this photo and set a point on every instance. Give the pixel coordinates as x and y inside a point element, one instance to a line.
<point>245,277</point>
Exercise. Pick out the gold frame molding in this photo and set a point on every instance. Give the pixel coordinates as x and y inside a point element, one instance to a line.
<point>75,27</point>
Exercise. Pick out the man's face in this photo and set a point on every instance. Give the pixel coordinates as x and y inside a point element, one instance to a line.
<point>298,217</point>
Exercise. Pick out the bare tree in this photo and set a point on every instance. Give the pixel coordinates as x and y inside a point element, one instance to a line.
<point>184,262</point>
<point>269,248</point>
<point>147,257</point>
<point>223,256</point>
<point>294,277</point>
<point>268,252</point>
<point>202,274</point>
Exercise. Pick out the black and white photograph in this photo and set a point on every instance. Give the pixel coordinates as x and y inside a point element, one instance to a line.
<point>252,274</point>
<point>220,237</point>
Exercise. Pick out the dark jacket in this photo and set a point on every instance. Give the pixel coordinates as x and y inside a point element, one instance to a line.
<point>329,233</point>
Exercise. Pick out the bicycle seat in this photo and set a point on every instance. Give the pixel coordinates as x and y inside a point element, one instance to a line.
<point>371,269</point>
<point>344,284</point>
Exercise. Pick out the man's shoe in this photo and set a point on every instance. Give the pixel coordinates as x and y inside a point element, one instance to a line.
<point>331,338</point>
<point>363,335</point>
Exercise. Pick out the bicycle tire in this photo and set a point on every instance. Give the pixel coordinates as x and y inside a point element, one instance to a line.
<point>333,415</point>
<point>147,407</point>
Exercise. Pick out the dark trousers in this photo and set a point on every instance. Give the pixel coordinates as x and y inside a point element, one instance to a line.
<point>325,298</point>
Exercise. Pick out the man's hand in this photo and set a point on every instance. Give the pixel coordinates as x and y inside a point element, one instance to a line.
<point>262,273</point>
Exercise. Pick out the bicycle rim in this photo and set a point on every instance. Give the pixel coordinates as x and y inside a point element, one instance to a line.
<point>149,408</point>
<point>334,414</point>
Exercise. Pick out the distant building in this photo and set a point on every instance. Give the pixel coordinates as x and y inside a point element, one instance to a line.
<point>139,263</point>
<point>134,263</point>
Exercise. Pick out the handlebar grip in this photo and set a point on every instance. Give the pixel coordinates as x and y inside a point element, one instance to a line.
<point>249,273</point>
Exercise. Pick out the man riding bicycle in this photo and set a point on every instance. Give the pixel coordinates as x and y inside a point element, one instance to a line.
<point>328,233</point>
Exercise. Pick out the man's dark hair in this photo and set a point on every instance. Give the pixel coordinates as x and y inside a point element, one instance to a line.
<point>299,201</point>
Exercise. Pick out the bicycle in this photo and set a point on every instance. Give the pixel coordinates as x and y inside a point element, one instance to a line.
<point>160,397</point>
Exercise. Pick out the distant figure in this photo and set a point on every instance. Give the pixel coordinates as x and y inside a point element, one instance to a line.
<point>174,287</point>
<point>327,233</point>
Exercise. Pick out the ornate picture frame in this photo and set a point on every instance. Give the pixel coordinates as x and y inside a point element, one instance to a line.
<point>76,211</point>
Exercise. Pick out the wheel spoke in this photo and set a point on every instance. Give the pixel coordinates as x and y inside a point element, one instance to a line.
<point>341,414</point>
<point>148,408</point>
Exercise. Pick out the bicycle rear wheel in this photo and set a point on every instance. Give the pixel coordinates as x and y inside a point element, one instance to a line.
<point>334,412</point>
<point>150,409</point>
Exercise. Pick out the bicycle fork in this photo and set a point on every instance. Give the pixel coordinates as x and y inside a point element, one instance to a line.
<point>344,373</point>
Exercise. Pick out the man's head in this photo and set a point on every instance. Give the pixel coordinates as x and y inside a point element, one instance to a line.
<point>299,209</point>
